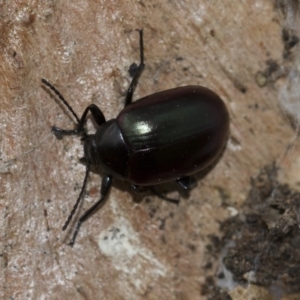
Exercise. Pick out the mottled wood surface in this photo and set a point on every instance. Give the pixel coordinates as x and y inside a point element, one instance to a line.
<point>143,249</point>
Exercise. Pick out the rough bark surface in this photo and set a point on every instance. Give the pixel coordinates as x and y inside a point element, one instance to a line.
<point>147,248</point>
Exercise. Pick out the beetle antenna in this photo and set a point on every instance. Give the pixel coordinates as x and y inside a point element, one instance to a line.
<point>78,199</point>
<point>141,46</point>
<point>60,96</point>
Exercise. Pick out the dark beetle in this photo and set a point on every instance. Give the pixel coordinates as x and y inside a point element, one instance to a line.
<point>167,136</point>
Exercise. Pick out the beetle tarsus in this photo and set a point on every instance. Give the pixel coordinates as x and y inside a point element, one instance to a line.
<point>59,133</point>
<point>132,69</point>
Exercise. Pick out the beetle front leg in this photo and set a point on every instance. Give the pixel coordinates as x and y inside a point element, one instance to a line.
<point>59,133</point>
<point>95,111</point>
<point>142,189</point>
<point>97,116</point>
<point>105,186</point>
<point>138,71</point>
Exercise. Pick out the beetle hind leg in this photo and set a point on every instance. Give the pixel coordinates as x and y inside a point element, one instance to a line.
<point>142,189</point>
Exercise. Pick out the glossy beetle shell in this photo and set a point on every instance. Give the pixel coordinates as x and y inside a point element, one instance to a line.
<point>168,135</point>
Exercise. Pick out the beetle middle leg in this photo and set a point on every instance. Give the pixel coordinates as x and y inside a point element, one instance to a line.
<point>138,71</point>
<point>163,197</point>
<point>186,183</point>
<point>142,189</point>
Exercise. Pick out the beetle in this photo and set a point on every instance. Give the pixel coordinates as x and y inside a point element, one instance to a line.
<point>166,136</point>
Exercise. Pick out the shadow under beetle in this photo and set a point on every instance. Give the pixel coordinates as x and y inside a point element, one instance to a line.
<point>167,136</point>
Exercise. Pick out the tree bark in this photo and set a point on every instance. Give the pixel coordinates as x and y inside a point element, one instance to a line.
<point>133,247</point>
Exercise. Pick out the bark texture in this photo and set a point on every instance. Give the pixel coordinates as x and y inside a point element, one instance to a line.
<point>134,247</point>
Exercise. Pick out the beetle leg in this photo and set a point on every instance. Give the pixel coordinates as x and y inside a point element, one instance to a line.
<point>105,185</point>
<point>95,111</point>
<point>187,182</point>
<point>97,116</point>
<point>138,71</point>
<point>138,189</point>
<point>163,197</point>
<point>141,189</point>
